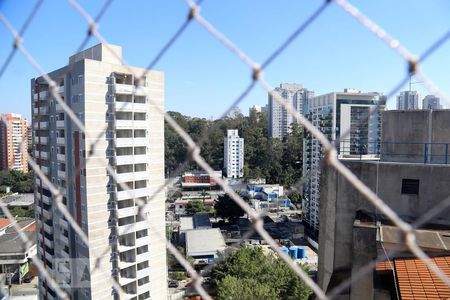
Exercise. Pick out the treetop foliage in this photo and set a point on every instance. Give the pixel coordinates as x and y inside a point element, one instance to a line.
<point>248,273</point>
<point>278,161</point>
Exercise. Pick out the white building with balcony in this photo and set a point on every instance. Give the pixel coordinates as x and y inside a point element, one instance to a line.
<point>123,118</point>
<point>351,120</point>
<point>234,154</point>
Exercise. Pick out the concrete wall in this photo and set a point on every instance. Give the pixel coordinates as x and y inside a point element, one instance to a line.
<point>405,133</point>
<point>340,201</point>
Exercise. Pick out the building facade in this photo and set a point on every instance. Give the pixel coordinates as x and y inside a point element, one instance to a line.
<point>354,233</point>
<point>124,119</point>
<point>12,135</point>
<point>280,121</point>
<point>234,154</point>
<point>355,115</point>
<point>407,100</point>
<point>431,102</point>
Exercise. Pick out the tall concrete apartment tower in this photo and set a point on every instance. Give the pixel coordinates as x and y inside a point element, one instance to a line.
<point>280,120</point>
<point>12,155</point>
<point>431,102</point>
<point>124,119</point>
<point>333,114</point>
<point>234,154</point>
<point>407,100</point>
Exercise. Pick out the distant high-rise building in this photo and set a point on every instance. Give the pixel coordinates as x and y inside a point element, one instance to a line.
<point>431,102</point>
<point>335,114</point>
<point>234,154</point>
<point>123,117</point>
<point>409,100</point>
<point>280,121</point>
<point>13,133</point>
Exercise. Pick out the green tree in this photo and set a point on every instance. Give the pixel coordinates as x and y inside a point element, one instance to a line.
<point>227,208</point>
<point>295,197</point>
<point>244,289</point>
<point>19,182</point>
<point>20,212</point>
<point>195,207</point>
<point>250,274</point>
<point>278,161</point>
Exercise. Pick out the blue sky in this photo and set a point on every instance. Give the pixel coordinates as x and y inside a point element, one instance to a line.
<point>203,77</point>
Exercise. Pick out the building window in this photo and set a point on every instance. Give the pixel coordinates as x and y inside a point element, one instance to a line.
<point>410,186</point>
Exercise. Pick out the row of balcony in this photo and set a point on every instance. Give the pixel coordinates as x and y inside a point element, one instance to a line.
<point>131,124</point>
<point>43,95</point>
<point>132,176</point>
<point>123,195</point>
<point>128,89</point>
<point>41,111</point>
<point>41,154</point>
<point>130,107</point>
<point>129,142</point>
<point>43,125</point>
<point>132,227</point>
<point>130,159</point>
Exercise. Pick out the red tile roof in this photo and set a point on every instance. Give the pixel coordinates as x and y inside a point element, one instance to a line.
<point>4,223</point>
<point>384,266</point>
<point>417,281</point>
<point>31,227</point>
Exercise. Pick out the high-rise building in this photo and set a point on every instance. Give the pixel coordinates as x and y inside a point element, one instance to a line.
<point>123,119</point>
<point>13,143</point>
<point>234,154</point>
<point>431,102</point>
<point>280,121</point>
<point>409,178</point>
<point>409,100</point>
<point>350,113</point>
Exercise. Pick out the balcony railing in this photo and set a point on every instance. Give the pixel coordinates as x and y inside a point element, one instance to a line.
<point>127,142</point>
<point>130,159</point>
<point>130,106</point>
<point>142,241</point>
<point>122,195</point>
<point>43,125</point>
<point>132,176</point>
<point>128,124</point>
<point>40,111</point>
<point>45,170</point>
<point>60,141</point>
<point>43,140</point>
<point>127,211</point>
<point>143,288</point>
<point>60,124</point>
<point>412,152</point>
<point>61,174</point>
<point>58,107</point>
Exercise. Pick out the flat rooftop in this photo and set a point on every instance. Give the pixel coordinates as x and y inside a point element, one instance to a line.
<point>201,220</point>
<point>204,241</point>
<point>186,223</point>
<point>18,199</point>
<point>10,241</point>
